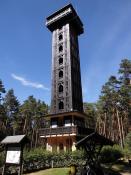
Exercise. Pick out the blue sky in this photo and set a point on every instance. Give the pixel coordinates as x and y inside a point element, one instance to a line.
<point>25,44</point>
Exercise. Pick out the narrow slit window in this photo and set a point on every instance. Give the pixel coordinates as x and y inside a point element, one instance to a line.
<point>60,60</point>
<point>61,74</point>
<point>61,105</point>
<point>60,48</point>
<point>60,88</point>
<point>60,37</point>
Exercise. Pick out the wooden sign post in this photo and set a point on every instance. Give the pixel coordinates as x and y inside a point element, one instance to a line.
<point>14,146</point>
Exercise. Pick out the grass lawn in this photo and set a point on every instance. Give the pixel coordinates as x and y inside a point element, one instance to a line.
<point>54,171</point>
<point>120,168</point>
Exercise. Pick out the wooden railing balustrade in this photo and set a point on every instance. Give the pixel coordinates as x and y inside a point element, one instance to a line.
<point>58,130</point>
<point>64,130</point>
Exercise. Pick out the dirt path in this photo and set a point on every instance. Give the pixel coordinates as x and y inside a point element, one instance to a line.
<point>126,172</point>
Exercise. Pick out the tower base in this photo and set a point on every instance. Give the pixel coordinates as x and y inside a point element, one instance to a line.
<point>64,131</point>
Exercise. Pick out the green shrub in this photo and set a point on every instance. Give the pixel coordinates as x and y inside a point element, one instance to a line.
<point>110,154</point>
<point>127,149</point>
<point>36,159</point>
<point>128,141</point>
<point>39,158</point>
<point>1,158</point>
<point>127,152</point>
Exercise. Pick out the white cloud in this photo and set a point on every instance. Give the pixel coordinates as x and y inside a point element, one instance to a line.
<point>29,83</point>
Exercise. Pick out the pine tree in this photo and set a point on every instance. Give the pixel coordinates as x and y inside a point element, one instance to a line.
<point>11,105</point>
<point>32,113</point>
<point>114,109</point>
<point>90,110</point>
<point>2,90</point>
<point>125,94</point>
<point>2,112</point>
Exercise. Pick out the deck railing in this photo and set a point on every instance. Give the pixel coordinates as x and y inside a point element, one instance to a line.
<point>58,130</point>
<point>64,130</point>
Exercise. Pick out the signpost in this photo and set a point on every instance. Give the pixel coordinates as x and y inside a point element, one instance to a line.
<point>14,151</point>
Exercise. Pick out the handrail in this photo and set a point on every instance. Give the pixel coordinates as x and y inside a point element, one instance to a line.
<point>58,130</point>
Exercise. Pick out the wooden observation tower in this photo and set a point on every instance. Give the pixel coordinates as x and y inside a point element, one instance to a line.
<point>66,118</point>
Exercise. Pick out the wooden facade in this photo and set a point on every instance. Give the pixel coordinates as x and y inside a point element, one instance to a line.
<point>64,130</point>
<point>66,118</point>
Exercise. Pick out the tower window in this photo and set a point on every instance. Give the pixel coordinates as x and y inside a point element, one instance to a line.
<point>60,89</point>
<point>61,105</point>
<point>60,60</point>
<point>60,37</point>
<point>61,74</point>
<point>60,48</point>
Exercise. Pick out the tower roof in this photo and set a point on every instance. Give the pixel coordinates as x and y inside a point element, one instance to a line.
<point>65,15</point>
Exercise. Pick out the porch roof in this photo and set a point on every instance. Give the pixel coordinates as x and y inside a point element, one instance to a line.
<point>97,138</point>
<point>71,113</point>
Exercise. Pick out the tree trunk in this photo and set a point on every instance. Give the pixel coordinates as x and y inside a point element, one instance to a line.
<point>122,130</point>
<point>36,138</point>
<point>104,131</point>
<point>119,126</point>
<point>32,138</point>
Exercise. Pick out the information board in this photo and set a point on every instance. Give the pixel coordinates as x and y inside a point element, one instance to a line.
<point>13,155</point>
